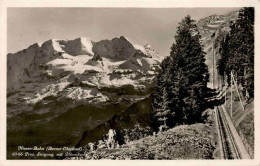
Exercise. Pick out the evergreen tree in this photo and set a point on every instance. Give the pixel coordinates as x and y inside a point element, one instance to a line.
<point>192,69</point>
<point>160,110</point>
<point>184,78</point>
<point>237,51</point>
<point>222,62</point>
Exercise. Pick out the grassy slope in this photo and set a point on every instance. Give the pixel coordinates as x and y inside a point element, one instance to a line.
<point>183,142</point>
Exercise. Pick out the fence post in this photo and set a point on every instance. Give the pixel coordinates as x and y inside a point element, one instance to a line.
<point>225,96</point>
<point>231,95</point>
<point>235,83</point>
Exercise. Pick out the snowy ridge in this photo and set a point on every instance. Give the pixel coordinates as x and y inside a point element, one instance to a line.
<point>79,46</point>
<point>80,70</point>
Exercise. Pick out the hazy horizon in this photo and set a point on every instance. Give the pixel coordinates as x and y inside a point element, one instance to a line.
<point>154,26</point>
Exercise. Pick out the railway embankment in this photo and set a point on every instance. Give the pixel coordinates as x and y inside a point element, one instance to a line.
<point>242,118</point>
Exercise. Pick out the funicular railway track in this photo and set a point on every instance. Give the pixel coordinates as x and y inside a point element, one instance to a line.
<point>230,143</point>
<point>228,147</point>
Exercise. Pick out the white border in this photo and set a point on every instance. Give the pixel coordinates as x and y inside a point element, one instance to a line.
<point>135,4</point>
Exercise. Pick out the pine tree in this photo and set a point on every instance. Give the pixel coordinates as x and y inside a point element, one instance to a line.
<point>246,23</point>
<point>222,62</point>
<point>193,70</point>
<point>237,51</point>
<point>184,79</point>
<point>160,112</point>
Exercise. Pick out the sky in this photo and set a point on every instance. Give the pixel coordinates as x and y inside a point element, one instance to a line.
<point>154,26</point>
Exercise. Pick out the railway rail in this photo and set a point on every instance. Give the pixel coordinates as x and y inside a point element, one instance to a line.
<point>230,144</point>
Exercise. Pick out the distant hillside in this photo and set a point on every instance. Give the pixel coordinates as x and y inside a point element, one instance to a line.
<point>211,27</point>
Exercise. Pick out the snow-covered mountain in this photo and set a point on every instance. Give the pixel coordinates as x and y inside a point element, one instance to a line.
<point>62,88</point>
<point>48,68</point>
<point>46,80</point>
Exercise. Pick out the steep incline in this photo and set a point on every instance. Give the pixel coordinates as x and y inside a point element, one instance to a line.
<point>214,28</point>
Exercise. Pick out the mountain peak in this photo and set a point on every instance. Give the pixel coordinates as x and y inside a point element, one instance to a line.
<point>147,46</point>
<point>125,38</point>
<point>83,38</point>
